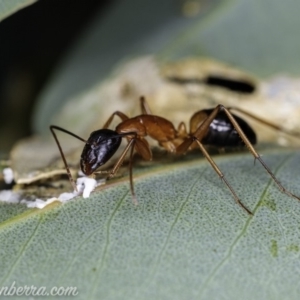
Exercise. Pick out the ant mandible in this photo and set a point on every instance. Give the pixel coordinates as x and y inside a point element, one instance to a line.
<point>216,127</point>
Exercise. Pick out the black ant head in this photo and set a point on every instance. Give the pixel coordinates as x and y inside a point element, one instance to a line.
<point>100,147</point>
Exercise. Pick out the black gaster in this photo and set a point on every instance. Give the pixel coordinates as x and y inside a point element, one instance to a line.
<point>222,134</point>
<point>102,145</point>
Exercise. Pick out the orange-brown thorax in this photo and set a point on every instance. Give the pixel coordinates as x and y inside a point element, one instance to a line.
<point>158,128</point>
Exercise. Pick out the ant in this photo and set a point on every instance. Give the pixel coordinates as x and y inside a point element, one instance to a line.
<point>215,127</point>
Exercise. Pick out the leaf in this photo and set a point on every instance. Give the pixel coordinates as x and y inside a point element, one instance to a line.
<point>187,238</point>
<point>8,7</point>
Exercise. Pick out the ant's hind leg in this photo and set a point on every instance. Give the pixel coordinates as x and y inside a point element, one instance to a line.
<point>254,152</point>
<point>222,176</point>
<point>198,135</point>
<point>265,122</point>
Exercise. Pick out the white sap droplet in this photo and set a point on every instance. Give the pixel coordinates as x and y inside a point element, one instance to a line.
<point>8,175</point>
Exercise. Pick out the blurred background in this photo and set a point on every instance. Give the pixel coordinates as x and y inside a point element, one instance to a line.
<point>33,41</point>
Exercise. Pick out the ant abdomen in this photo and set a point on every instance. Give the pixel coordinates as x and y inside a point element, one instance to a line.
<point>100,147</point>
<point>221,132</point>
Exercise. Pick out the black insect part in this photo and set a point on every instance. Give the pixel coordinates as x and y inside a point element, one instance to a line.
<point>239,86</point>
<point>100,147</point>
<point>222,133</point>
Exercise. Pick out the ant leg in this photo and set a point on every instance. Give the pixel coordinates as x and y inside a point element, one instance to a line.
<point>131,176</point>
<point>221,175</point>
<point>202,130</point>
<point>121,115</point>
<point>253,151</point>
<point>142,147</point>
<point>267,123</point>
<point>183,147</point>
<point>52,127</point>
<point>181,131</point>
<point>116,167</point>
<point>123,155</point>
<point>144,106</point>
<point>199,133</point>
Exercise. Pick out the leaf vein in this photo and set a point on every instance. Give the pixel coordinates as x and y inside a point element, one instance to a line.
<point>241,234</point>
<point>23,248</point>
<point>101,262</point>
<point>153,270</point>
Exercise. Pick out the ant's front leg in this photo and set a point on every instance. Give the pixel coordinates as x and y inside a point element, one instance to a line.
<point>130,146</point>
<point>118,164</point>
<point>52,128</point>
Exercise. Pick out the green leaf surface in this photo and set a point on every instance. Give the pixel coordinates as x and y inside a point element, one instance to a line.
<point>8,7</point>
<point>187,238</point>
